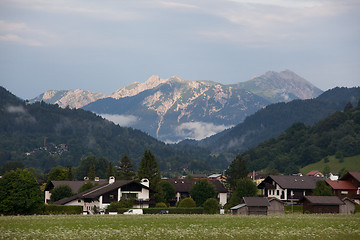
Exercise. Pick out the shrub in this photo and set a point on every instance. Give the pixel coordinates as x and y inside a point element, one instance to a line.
<point>187,203</point>
<point>211,206</point>
<point>122,204</point>
<point>161,205</point>
<point>62,209</point>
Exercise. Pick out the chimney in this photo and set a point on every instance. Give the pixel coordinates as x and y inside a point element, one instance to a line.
<point>145,182</point>
<point>97,179</point>
<point>111,180</point>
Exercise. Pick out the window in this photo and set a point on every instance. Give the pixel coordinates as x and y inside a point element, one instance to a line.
<point>129,195</point>
<point>277,192</point>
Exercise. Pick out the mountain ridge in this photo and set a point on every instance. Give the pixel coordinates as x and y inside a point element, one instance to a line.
<point>173,109</point>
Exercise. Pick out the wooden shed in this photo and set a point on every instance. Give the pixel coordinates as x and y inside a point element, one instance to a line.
<point>276,206</point>
<point>322,204</point>
<point>251,206</point>
<point>348,207</point>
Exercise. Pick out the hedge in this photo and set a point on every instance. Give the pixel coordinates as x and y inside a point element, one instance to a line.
<point>62,209</point>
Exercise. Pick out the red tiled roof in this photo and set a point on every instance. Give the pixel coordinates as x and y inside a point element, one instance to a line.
<point>341,184</point>
<point>313,172</point>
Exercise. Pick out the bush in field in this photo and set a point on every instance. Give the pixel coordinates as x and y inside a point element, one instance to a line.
<point>211,206</point>
<point>161,205</point>
<point>60,192</point>
<point>187,203</point>
<point>20,193</point>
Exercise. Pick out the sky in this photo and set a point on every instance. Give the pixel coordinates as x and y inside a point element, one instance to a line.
<point>102,46</point>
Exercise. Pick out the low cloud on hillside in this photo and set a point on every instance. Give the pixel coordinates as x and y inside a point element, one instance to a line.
<point>199,130</point>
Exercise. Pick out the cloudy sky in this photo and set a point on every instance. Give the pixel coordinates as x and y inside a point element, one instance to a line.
<point>104,45</point>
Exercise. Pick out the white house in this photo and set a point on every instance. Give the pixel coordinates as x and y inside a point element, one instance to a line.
<point>103,194</point>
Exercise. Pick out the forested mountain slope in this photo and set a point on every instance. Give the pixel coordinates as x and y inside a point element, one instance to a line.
<point>300,145</point>
<point>272,120</point>
<point>43,136</point>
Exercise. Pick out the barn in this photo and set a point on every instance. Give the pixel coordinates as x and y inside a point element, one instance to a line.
<point>276,206</point>
<point>251,206</point>
<point>322,204</point>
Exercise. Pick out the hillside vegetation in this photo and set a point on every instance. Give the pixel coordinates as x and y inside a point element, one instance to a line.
<point>301,145</point>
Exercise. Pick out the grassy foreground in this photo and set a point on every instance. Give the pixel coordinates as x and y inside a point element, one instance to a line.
<point>289,226</point>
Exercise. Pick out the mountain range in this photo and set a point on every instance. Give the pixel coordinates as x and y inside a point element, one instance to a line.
<point>174,109</point>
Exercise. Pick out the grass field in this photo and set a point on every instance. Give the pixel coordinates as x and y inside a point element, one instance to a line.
<point>289,226</point>
<point>350,164</point>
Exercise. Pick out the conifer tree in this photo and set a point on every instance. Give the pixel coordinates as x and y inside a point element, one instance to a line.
<point>236,170</point>
<point>126,169</point>
<point>92,173</point>
<point>110,170</point>
<point>149,169</point>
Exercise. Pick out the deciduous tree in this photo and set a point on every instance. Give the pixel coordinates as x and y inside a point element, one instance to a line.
<point>60,192</point>
<point>244,188</point>
<point>20,193</point>
<point>202,190</point>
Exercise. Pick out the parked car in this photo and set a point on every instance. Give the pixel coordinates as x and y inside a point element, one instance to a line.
<point>163,212</point>
<point>134,211</point>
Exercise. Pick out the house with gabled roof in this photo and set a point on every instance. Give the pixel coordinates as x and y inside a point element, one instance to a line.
<point>342,188</point>
<point>182,188</point>
<point>288,188</point>
<point>113,191</point>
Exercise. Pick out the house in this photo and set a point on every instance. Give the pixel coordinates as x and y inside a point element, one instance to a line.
<point>74,185</point>
<point>251,206</point>
<point>276,206</point>
<point>354,178</point>
<point>348,207</point>
<point>342,188</point>
<point>315,173</point>
<point>256,177</point>
<point>103,194</point>
<point>322,204</point>
<point>183,186</point>
<point>288,188</point>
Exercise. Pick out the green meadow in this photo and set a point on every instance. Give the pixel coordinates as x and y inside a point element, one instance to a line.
<point>289,226</point>
<point>349,163</point>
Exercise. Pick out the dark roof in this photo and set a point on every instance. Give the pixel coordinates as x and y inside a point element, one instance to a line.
<point>74,185</point>
<point>323,200</point>
<point>292,182</point>
<point>275,199</point>
<point>256,201</point>
<point>342,184</point>
<point>355,175</point>
<point>184,185</point>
